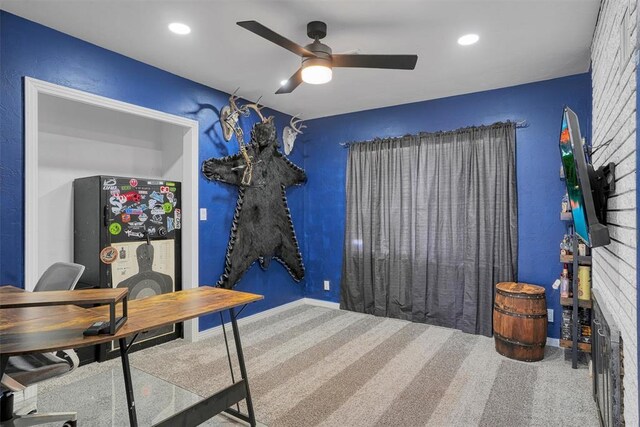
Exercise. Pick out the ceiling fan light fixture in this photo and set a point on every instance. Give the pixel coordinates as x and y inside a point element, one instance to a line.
<point>316,71</point>
<point>316,74</point>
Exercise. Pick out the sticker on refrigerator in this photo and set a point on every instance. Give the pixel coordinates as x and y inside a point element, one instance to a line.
<point>109,184</point>
<point>133,182</point>
<point>170,226</point>
<point>178,218</point>
<point>115,228</point>
<point>158,197</point>
<point>131,233</point>
<point>132,196</point>
<point>108,255</point>
<point>142,217</point>
<point>164,189</point>
<point>167,207</point>
<point>157,210</point>
<point>115,201</point>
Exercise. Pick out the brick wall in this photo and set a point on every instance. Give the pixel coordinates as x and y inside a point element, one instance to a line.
<point>614,118</point>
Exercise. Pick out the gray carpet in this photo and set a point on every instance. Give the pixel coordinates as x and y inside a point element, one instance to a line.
<point>317,366</point>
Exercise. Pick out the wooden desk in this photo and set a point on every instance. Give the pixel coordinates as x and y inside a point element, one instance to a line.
<point>42,329</point>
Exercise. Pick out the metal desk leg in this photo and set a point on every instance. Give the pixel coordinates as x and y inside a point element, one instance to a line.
<point>126,370</point>
<point>243,369</point>
<point>4,359</point>
<point>6,401</point>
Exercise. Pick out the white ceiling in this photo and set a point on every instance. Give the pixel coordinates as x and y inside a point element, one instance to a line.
<point>521,41</point>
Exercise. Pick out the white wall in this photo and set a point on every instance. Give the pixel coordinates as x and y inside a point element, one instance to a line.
<point>76,141</point>
<point>614,118</point>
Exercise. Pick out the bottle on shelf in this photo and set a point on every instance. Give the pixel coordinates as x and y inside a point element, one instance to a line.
<point>584,325</point>
<point>582,249</point>
<point>584,282</point>
<point>565,203</point>
<point>565,246</point>
<point>564,283</point>
<point>565,327</point>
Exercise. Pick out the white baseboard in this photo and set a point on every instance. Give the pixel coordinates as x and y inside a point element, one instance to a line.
<point>321,303</point>
<point>217,329</point>
<point>553,342</point>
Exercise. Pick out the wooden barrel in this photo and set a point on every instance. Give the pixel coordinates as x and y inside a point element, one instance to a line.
<point>520,321</point>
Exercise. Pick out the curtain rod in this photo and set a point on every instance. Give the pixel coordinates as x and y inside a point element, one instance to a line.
<point>519,125</point>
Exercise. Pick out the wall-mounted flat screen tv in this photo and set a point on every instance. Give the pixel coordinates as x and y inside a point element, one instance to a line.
<point>587,188</point>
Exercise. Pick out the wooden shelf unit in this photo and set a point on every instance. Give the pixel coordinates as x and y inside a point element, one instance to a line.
<point>582,260</point>
<point>582,346</point>
<point>568,302</point>
<point>574,302</point>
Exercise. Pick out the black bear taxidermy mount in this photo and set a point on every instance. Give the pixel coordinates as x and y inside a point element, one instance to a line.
<point>262,228</point>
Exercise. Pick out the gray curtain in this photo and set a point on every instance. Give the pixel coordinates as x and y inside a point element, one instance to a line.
<point>431,226</point>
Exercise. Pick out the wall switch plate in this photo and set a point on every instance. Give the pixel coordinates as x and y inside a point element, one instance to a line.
<point>326,285</point>
<point>203,214</point>
<point>550,315</point>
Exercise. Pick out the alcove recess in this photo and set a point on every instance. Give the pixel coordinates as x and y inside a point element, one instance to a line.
<point>77,140</point>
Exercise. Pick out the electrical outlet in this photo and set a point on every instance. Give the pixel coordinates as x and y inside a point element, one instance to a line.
<point>326,285</point>
<point>550,315</point>
<point>203,214</point>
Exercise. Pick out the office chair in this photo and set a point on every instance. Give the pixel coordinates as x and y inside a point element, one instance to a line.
<point>29,369</point>
<point>60,276</point>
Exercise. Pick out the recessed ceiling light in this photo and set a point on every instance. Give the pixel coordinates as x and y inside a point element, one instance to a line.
<point>283,82</point>
<point>468,39</point>
<point>179,28</point>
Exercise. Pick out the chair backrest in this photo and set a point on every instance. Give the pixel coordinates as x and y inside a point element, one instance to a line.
<point>61,276</point>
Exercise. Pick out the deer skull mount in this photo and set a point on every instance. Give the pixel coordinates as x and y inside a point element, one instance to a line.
<point>229,118</point>
<point>289,133</point>
<point>228,121</point>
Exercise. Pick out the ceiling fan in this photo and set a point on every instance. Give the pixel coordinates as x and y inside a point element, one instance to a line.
<point>318,60</point>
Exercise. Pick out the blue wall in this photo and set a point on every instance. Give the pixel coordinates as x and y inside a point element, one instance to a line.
<point>30,49</point>
<point>538,164</point>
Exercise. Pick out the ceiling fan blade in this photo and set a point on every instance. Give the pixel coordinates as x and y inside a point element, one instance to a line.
<point>396,62</point>
<point>293,82</point>
<point>259,29</point>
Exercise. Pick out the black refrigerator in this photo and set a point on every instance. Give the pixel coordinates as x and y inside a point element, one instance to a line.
<point>127,233</point>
